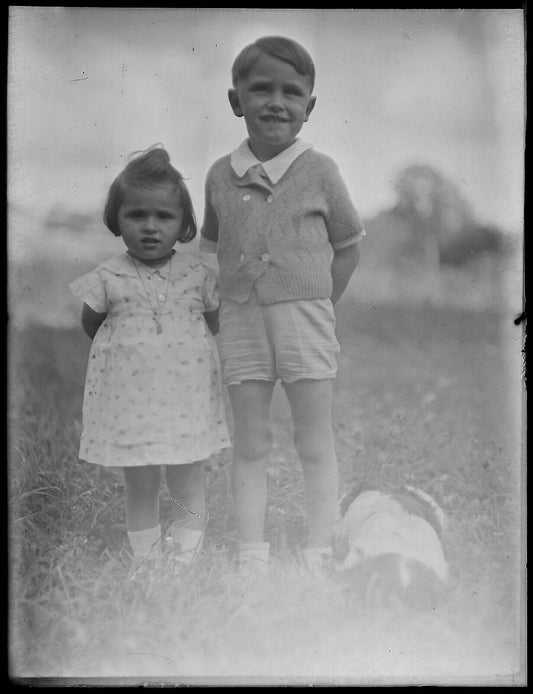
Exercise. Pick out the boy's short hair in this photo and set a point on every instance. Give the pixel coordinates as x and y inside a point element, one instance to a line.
<point>277,47</point>
<point>145,170</point>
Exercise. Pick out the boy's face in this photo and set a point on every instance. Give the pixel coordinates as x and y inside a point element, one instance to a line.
<point>275,101</point>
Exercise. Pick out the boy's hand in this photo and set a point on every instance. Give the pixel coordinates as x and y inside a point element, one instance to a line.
<point>344,263</point>
<point>211,318</point>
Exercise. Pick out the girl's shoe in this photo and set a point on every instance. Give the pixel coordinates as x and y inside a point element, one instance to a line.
<point>146,573</point>
<point>182,547</point>
<point>177,564</point>
<point>141,571</point>
<point>176,561</point>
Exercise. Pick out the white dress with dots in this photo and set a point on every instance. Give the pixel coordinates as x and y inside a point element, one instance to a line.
<point>153,393</point>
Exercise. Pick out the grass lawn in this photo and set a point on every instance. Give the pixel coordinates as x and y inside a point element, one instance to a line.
<point>425,395</point>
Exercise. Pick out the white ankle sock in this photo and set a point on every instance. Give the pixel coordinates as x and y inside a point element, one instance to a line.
<point>258,551</point>
<point>142,541</point>
<point>186,539</point>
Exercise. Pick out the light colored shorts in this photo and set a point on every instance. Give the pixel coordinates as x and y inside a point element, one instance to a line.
<point>289,340</point>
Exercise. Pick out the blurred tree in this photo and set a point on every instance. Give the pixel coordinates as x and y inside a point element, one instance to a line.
<point>431,224</point>
<point>59,218</point>
<point>434,206</point>
<point>473,242</point>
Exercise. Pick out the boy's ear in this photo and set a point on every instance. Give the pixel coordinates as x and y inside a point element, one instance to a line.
<point>235,104</point>
<point>310,106</point>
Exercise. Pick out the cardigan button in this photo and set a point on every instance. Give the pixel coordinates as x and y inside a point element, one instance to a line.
<point>270,198</point>
<point>241,258</point>
<point>246,197</point>
<point>265,257</point>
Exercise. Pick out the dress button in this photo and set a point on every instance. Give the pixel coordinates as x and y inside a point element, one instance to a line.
<point>246,197</point>
<point>161,297</point>
<point>265,257</point>
<point>241,258</point>
<point>270,198</point>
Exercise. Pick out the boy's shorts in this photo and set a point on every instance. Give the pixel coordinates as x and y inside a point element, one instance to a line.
<point>290,340</point>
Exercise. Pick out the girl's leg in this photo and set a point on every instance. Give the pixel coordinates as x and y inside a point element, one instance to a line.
<point>142,496</point>
<point>186,487</point>
<point>142,507</point>
<point>311,402</point>
<point>252,443</point>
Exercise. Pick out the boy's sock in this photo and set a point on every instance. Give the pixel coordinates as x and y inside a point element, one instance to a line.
<point>256,554</point>
<point>317,559</point>
<point>143,541</point>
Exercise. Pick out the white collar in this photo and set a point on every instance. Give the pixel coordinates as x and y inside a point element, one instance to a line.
<point>123,264</point>
<point>243,159</point>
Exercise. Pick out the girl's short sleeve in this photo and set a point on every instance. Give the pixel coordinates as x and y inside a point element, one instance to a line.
<point>90,288</point>
<point>209,230</point>
<point>211,298</point>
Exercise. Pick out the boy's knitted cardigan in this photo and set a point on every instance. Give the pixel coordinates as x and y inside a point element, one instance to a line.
<point>279,238</point>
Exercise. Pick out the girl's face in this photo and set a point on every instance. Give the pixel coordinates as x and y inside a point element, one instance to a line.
<point>150,222</point>
<point>275,101</point>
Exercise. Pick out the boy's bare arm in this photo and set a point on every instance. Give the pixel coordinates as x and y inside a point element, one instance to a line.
<point>344,263</point>
<point>91,321</point>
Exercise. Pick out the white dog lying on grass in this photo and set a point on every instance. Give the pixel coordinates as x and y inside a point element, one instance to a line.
<point>395,554</point>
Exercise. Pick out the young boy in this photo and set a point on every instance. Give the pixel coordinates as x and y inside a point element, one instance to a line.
<point>286,234</point>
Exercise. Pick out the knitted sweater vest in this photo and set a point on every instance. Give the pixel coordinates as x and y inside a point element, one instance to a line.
<point>279,238</point>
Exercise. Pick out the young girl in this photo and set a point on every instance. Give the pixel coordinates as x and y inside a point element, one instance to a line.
<point>152,393</point>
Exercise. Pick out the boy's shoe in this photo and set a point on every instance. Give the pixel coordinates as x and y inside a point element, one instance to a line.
<point>249,573</point>
<point>252,567</point>
<point>317,562</point>
<point>253,560</point>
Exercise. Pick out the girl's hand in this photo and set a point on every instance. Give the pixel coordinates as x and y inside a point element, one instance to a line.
<point>91,321</point>
<point>211,318</point>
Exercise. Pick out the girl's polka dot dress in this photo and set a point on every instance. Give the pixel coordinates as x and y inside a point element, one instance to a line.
<point>153,393</point>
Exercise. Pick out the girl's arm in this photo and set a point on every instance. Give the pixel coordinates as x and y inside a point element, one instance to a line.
<point>91,321</point>
<point>211,318</point>
<point>344,263</point>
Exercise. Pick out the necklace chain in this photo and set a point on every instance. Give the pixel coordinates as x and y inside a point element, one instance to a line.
<point>156,312</point>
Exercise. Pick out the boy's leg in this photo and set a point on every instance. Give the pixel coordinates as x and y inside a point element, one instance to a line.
<point>142,507</point>
<point>252,443</point>
<point>311,402</point>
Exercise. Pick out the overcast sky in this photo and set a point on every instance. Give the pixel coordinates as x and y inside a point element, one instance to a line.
<point>87,86</point>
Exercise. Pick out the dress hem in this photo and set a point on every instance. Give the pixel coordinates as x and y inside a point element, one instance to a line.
<point>188,461</point>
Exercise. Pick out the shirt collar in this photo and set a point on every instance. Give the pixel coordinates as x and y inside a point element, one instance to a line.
<point>123,265</point>
<point>243,159</point>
